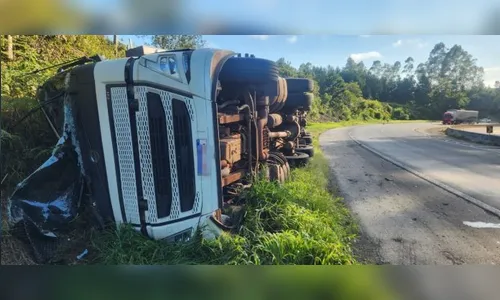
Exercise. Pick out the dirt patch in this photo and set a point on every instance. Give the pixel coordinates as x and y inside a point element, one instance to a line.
<point>368,250</point>
<point>17,250</point>
<point>438,130</point>
<point>14,252</point>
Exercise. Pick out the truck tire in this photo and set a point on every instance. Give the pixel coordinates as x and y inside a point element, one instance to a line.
<point>249,70</point>
<point>307,134</point>
<point>306,140</point>
<point>298,160</point>
<point>280,160</point>
<point>309,150</point>
<point>282,95</point>
<point>296,101</point>
<point>299,85</point>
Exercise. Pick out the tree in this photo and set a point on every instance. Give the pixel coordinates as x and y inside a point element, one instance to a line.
<point>376,69</point>
<point>171,42</point>
<point>408,68</point>
<point>306,70</point>
<point>354,72</point>
<point>285,68</point>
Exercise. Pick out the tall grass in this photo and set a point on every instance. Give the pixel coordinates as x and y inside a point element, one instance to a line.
<point>298,223</point>
<point>25,143</point>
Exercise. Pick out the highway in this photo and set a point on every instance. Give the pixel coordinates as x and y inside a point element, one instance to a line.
<point>420,197</point>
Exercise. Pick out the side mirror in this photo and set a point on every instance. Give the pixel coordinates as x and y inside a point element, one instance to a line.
<point>172,65</point>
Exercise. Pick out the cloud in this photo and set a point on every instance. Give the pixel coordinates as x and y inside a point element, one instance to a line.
<point>397,43</point>
<point>211,45</point>
<point>411,42</point>
<point>357,57</point>
<point>260,37</point>
<point>292,39</point>
<point>365,36</point>
<point>491,74</point>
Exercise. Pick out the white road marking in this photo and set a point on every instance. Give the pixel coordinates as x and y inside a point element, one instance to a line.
<point>482,225</point>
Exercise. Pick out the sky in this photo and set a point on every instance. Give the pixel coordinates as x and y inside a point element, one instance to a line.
<point>312,16</point>
<point>324,50</point>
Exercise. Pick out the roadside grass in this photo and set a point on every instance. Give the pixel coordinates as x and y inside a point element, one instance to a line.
<point>297,223</point>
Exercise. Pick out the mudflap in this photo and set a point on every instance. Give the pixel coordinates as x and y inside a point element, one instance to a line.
<point>209,228</point>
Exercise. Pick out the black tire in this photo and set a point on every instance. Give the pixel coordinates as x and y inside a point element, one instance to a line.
<point>309,150</point>
<point>249,70</point>
<point>282,161</point>
<point>281,97</point>
<point>298,160</point>
<point>299,85</point>
<point>307,140</point>
<point>298,101</point>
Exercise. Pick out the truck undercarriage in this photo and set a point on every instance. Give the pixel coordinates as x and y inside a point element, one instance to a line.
<point>164,142</point>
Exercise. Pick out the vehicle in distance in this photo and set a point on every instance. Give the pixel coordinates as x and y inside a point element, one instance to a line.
<point>460,116</point>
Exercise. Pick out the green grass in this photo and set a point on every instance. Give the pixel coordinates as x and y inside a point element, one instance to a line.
<point>298,223</point>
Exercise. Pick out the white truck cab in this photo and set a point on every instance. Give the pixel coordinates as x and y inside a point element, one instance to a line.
<point>159,139</point>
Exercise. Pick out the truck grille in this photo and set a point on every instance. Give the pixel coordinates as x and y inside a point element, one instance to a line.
<point>124,156</point>
<point>161,166</point>
<point>184,153</point>
<point>159,155</point>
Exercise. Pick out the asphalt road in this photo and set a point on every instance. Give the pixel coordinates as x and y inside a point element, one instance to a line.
<point>407,219</point>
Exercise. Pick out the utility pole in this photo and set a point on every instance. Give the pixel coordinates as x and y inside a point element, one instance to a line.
<point>10,48</point>
<point>115,42</point>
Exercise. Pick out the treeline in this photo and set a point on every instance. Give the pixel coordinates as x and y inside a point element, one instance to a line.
<point>23,54</point>
<point>450,78</point>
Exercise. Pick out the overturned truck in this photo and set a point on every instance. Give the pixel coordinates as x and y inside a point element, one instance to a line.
<point>163,141</point>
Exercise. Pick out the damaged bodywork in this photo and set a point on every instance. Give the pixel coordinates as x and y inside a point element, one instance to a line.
<point>47,201</point>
